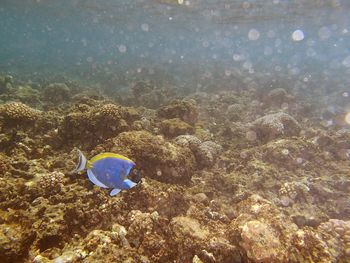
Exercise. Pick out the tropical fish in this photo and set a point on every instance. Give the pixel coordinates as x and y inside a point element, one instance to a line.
<point>107,170</point>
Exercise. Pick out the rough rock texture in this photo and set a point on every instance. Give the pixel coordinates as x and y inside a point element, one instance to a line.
<point>175,127</point>
<point>186,110</point>
<point>275,125</point>
<point>206,152</point>
<point>90,125</point>
<point>230,192</point>
<point>159,159</point>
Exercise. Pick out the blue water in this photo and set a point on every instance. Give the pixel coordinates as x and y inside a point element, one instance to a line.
<point>189,43</point>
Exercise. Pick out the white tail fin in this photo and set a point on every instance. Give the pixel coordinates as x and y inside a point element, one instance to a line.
<point>81,163</point>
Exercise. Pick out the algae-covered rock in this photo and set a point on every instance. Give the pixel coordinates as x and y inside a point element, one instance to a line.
<point>159,159</point>
<point>275,125</point>
<point>186,227</point>
<point>205,152</point>
<point>14,242</point>
<point>91,125</point>
<point>185,110</point>
<point>174,127</point>
<point>260,242</point>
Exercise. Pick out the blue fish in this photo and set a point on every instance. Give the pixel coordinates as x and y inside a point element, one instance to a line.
<point>107,170</point>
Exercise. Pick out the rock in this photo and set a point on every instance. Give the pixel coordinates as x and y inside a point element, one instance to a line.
<point>275,125</point>
<point>160,160</point>
<point>205,153</point>
<point>260,242</point>
<point>186,227</point>
<point>174,127</point>
<point>186,110</point>
<point>14,242</point>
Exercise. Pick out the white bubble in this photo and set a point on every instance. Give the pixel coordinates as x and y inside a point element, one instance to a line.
<point>89,59</point>
<point>345,94</point>
<point>253,34</point>
<point>346,62</point>
<point>299,160</point>
<point>228,72</point>
<point>122,48</point>
<point>205,44</point>
<point>347,118</point>
<point>298,35</point>
<point>324,33</point>
<point>145,27</point>
<point>285,151</point>
<point>180,2</point>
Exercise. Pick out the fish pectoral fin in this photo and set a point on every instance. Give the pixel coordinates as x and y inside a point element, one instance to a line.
<point>127,184</point>
<point>114,192</point>
<point>94,180</point>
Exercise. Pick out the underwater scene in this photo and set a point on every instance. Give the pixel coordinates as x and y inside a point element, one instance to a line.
<point>180,131</point>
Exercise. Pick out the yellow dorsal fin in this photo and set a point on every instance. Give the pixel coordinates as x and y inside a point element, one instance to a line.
<point>108,155</point>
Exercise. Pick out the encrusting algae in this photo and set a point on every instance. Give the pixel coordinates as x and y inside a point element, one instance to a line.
<point>267,187</point>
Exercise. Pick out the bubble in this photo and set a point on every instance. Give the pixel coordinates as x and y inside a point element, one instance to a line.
<point>228,72</point>
<point>253,34</point>
<point>180,2</point>
<point>346,62</point>
<point>324,33</point>
<point>285,151</point>
<point>347,118</point>
<point>299,160</point>
<point>298,35</point>
<point>89,59</point>
<point>251,136</point>
<point>145,27</point>
<point>205,44</point>
<point>122,48</point>
<point>345,94</point>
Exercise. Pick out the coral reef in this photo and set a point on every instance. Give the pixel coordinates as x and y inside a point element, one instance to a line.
<point>275,125</point>
<point>174,127</point>
<point>186,110</point>
<point>224,177</point>
<point>159,159</point>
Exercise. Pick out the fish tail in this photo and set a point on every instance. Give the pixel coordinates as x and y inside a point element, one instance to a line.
<point>81,165</point>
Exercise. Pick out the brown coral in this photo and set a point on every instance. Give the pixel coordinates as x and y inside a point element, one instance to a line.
<point>17,111</point>
<point>159,159</point>
<point>186,110</point>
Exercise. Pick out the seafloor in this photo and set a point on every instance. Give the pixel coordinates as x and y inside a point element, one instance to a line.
<point>228,176</point>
